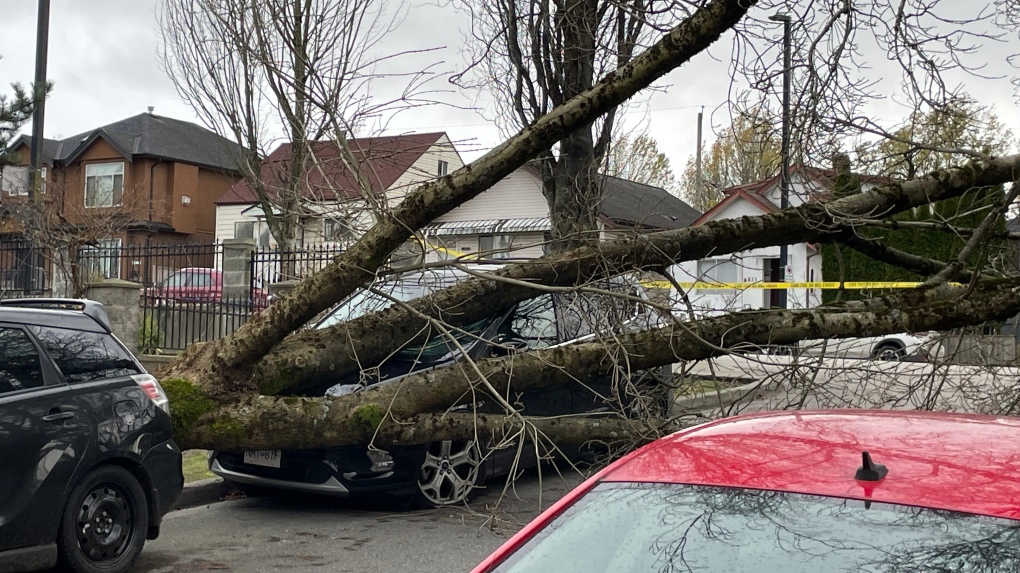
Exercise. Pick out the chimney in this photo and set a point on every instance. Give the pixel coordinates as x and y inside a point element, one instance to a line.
<point>151,109</point>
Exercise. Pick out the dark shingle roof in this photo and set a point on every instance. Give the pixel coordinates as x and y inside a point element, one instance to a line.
<point>639,205</point>
<point>382,159</point>
<point>150,135</point>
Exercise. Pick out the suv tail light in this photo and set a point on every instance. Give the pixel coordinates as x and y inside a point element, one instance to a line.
<point>153,390</point>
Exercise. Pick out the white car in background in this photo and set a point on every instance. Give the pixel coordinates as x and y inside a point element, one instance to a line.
<point>905,347</point>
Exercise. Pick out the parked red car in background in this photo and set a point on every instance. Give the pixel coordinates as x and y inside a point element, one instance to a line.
<point>793,492</point>
<point>197,285</point>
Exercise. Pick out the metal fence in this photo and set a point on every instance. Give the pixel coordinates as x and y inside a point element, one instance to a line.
<point>148,265</point>
<point>269,266</point>
<point>24,269</point>
<point>170,326</point>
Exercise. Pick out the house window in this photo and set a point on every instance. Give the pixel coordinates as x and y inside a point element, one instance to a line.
<point>718,271</point>
<point>15,181</point>
<point>42,180</point>
<point>494,246</point>
<point>444,168</point>
<point>244,230</point>
<point>337,230</point>
<point>104,184</point>
<point>102,260</point>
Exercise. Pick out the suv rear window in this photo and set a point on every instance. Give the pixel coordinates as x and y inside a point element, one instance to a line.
<point>85,356</point>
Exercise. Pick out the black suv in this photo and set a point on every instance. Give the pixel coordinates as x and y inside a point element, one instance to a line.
<point>447,472</point>
<point>88,467</point>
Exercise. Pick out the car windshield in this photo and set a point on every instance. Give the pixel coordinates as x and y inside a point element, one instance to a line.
<point>365,302</point>
<point>660,528</point>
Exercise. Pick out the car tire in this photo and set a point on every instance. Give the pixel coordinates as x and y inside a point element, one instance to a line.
<point>889,351</point>
<point>450,474</point>
<point>104,524</point>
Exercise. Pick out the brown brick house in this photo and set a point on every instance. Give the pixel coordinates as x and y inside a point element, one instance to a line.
<point>141,180</point>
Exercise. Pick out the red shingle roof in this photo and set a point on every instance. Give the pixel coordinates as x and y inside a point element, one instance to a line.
<point>382,160</point>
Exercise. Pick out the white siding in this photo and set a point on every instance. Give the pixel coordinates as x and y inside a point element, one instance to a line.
<point>426,168</point>
<point>226,216</point>
<point>751,269</point>
<point>516,196</point>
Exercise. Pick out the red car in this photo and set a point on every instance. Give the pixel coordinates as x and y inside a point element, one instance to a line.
<point>197,285</point>
<point>827,491</point>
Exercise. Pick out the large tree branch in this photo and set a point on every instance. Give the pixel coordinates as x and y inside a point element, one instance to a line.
<point>234,354</point>
<point>309,360</point>
<point>278,422</point>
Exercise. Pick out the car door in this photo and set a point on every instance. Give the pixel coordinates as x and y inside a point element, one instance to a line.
<point>43,436</point>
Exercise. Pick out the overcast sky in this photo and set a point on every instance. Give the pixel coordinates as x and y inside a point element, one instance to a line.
<point>102,58</point>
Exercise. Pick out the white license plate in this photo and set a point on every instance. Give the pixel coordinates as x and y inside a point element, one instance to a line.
<point>268,458</point>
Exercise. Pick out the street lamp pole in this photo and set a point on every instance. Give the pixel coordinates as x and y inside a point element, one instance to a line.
<point>42,40</point>
<point>784,176</point>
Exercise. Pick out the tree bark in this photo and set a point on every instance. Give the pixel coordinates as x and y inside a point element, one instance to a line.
<point>308,361</point>
<point>290,422</point>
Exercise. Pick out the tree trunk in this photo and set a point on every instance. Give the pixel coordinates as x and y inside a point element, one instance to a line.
<point>290,422</point>
<point>309,361</point>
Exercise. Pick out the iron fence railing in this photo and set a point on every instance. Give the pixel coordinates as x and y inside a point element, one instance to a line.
<point>274,265</point>
<point>24,269</point>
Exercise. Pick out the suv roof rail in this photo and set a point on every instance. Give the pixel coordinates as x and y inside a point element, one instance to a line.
<point>91,308</point>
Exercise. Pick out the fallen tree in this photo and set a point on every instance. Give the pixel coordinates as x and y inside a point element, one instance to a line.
<point>261,387</point>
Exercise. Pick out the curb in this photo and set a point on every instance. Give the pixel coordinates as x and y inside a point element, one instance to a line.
<point>202,492</point>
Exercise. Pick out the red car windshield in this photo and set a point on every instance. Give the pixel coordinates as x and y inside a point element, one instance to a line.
<point>665,528</point>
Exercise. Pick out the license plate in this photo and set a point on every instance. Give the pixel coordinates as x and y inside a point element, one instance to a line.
<point>268,458</point>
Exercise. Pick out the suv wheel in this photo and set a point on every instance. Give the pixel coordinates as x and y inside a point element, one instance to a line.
<point>104,523</point>
<point>449,474</point>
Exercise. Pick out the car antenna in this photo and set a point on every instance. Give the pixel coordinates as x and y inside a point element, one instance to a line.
<point>870,471</point>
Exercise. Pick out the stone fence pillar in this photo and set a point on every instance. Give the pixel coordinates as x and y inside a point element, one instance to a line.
<point>237,268</point>
<point>121,299</point>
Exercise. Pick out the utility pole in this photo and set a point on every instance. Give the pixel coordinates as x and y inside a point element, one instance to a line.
<point>697,164</point>
<point>42,40</point>
<point>784,176</point>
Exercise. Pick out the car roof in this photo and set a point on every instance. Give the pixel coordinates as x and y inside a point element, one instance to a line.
<point>58,318</point>
<point>960,462</point>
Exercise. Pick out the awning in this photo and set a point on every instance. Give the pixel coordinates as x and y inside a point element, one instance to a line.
<point>489,226</point>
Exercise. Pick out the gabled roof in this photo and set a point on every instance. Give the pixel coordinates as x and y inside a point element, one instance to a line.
<point>148,135</point>
<point>382,160</point>
<point>638,205</point>
<point>755,192</point>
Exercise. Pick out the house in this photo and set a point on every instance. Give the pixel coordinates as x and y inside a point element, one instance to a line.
<point>804,261</point>
<point>339,203</point>
<point>511,219</point>
<point>143,180</point>
<point>149,178</point>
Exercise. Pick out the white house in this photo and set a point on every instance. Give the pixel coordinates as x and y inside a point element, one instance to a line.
<point>746,268</point>
<point>337,208</point>
<point>511,219</point>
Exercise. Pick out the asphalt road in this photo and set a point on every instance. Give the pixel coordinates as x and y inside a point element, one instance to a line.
<point>305,533</point>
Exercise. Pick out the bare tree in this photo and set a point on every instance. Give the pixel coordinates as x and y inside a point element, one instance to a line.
<point>300,70</point>
<point>637,158</point>
<point>746,151</point>
<point>534,55</point>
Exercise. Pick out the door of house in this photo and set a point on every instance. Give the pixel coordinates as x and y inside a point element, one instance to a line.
<point>771,272</point>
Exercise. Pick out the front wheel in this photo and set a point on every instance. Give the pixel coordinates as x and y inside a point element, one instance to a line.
<point>103,526</point>
<point>449,474</point>
<point>889,352</point>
